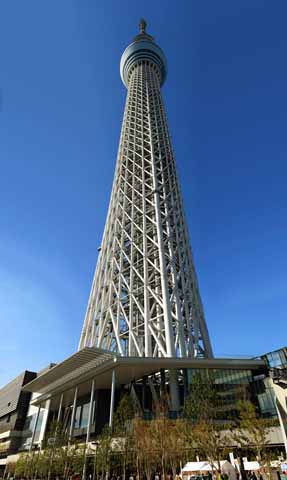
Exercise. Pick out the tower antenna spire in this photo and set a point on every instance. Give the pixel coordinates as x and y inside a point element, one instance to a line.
<point>142,25</point>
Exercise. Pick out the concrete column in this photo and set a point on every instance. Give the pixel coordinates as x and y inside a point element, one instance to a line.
<point>90,411</point>
<point>60,408</point>
<point>34,429</point>
<point>73,414</point>
<point>279,397</point>
<point>231,459</point>
<point>113,386</point>
<point>89,427</point>
<point>283,433</point>
<point>144,393</point>
<point>173,386</point>
<point>162,381</point>
<point>58,417</point>
<point>44,422</point>
<point>185,383</point>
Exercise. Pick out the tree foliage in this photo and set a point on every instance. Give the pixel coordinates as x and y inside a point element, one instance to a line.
<point>252,430</point>
<point>161,444</point>
<point>205,432</point>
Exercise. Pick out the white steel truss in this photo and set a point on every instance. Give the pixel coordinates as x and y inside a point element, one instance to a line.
<point>144,299</point>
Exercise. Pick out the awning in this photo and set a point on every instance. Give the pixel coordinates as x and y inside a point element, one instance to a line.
<point>91,362</point>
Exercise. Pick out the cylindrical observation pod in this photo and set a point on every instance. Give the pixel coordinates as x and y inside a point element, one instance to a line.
<point>142,49</point>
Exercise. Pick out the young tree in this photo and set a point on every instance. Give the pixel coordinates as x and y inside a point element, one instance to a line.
<point>102,460</point>
<point>27,465</point>
<point>145,448</point>
<point>176,445</point>
<point>124,414</point>
<point>123,431</point>
<point>205,431</point>
<point>161,427</point>
<point>251,430</point>
<point>10,469</point>
<point>78,455</point>
<point>21,465</point>
<point>55,441</point>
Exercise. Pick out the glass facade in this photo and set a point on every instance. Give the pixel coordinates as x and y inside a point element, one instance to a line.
<point>232,385</point>
<point>276,359</point>
<point>29,427</point>
<point>277,363</point>
<point>266,403</point>
<point>82,415</point>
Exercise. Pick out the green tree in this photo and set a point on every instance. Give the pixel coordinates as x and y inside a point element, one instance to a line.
<point>145,448</point>
<point>176,445</point>
<point>251,430</point>
<point>124,415</point>
<point>122,430</point>
<point>103,454</point>
<point>205,430</point>
<point>21,465</point>
<point>77,458</point>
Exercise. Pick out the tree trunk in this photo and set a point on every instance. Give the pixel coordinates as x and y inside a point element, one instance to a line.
<point>241,468</point>
<point>124,469</point>
<point>162,467</point>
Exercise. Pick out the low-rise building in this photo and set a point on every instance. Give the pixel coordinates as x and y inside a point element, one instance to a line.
<point>14,405</point>
<point>83,391</point>
<point>276,362</point>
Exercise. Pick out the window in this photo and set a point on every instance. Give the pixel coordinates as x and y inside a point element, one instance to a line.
<point>267,404</point>
<point>85,415</point>
<point>82,416</point>
<point>29,428</point>
<point>77,423</point>
<point>283,358</point>
<point>274,359</point>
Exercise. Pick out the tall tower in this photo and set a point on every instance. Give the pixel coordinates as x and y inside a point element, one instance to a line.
<point>144,299</point>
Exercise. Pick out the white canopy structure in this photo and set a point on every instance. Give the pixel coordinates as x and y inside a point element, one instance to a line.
<point>192,468</point>
<point>251,466</point>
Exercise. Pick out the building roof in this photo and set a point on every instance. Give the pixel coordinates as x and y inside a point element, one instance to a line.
<point>90,362</point>
<point>10,393</point>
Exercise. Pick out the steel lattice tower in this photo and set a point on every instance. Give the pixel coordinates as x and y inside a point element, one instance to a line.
<point>144,299</point>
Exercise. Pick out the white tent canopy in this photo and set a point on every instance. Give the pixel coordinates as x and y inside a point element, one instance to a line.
<point>251,466</point>
<point>191,467</point>
<point>204,467</point>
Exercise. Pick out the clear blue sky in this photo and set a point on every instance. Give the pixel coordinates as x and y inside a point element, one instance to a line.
<point>62,103</point>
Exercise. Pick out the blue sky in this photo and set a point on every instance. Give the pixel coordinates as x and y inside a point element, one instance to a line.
<point>62,103</point>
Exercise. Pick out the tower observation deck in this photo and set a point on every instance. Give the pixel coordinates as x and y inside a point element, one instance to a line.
<point>145,299</point>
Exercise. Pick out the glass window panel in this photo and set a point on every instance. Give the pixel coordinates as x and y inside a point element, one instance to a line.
<point>283,357</point>
<point>78,417</point>
<point>85,415</point>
